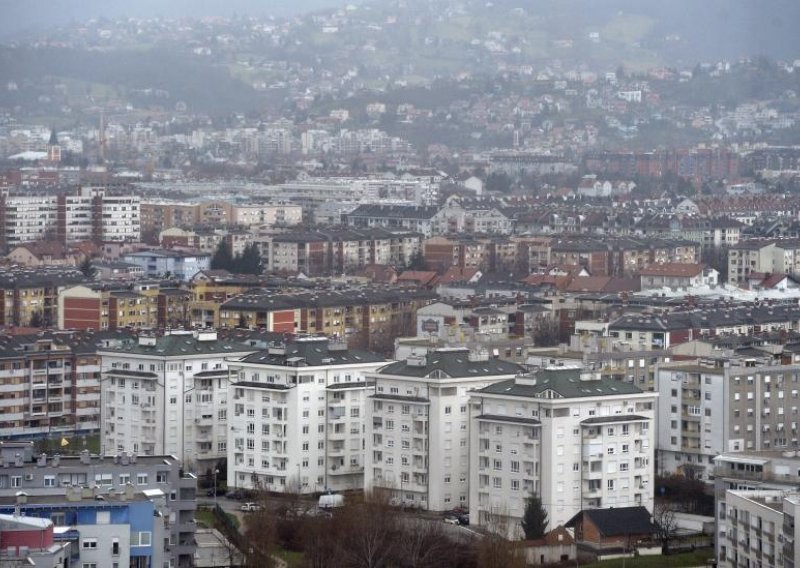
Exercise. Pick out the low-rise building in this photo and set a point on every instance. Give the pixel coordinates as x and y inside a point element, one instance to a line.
<point>133,510</point>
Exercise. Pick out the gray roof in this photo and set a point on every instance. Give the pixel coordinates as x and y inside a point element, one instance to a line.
<point>455,363</point>
<point>269,301</point>
<point>179,346</point>
<point>312,353</point>
<point>566,383</point>
<point>708,318</point>
<point>614,419</point>
<point>394,211</point>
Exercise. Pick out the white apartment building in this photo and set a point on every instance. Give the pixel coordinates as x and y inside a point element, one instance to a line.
<point>296,417</point>
<point>267,214</point>
<point>417,427</point>
<point>758,528</point>
<point>715,406</point>
<point>576,440</point>
<point>168,395</point>
<point>120,220</point>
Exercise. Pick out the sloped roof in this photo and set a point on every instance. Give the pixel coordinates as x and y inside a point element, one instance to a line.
<point>620,521</point>
<point>313,353</point>
<point>455,363</point>
<point>566,383</point>
<point>674,269</point>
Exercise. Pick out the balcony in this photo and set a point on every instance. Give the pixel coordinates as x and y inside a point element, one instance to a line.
<point>346,470</point>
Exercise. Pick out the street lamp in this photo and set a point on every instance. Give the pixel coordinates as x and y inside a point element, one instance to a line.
<point>216,472</point>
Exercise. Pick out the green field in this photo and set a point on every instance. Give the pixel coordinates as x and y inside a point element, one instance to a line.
<point>696,558</point>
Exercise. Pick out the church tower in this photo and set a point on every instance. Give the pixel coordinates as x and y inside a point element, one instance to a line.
<point>53,149</point>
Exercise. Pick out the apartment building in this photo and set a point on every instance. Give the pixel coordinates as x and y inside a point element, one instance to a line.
<point>29,295</point>
<point>577,440</point>
<point>417,427</point>
<point>51,384</point>
<point>416,218</point>
<point>758,528</point>
<point>101,307</point>
<point>123,510</point>
<point>337,251</point>
<point>767,473</point>
<point>160,263</point>
<point>297,416</point>
<point>364,317</point>
<point>92,213</point>
<point>168,395</point>
<point>714,406</point>
<point>765,256</point>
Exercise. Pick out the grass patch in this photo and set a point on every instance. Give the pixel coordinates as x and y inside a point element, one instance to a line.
<point>204,517</point>
<point>696,558</point>
<point>292,558</point>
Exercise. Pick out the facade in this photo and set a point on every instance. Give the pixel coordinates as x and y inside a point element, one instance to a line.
<point>30,294</point>
<point>145,505</point>
<point>751,474</point>
<point>157,263</point>
<point>575,439</point>
<point>297,417</point>
<point>98,308</point>
<point>766,256</point>
<point>677,276</point>
<point>715,407</point>
<point>417,427</point>
<point>51,385</point>
<point>30,542</point>
<point>168,395</point>
<point>90,214</point>
<point>419,219</point>
<point>758,528</point>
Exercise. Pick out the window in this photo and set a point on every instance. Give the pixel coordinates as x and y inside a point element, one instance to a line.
<point>143,538</point>
<point>141,479</point>
<point>49,480</point>
<point>16,481</point>
<point>515,485</point>
<point>89,543</point>
<point>514,466</point>
<point>611,485</point>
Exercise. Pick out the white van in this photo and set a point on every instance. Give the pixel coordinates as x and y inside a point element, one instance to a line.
<point>331,501</point>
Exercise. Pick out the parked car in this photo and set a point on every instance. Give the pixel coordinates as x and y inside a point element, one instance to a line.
<point>463,520</point>
<point>250,507</point>
<point>330,501</point>
<point>451,519</point>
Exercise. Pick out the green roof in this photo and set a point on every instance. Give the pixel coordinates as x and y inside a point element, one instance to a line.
<point>454,363</point>
<point>183,345</point>
<point>566,383</point>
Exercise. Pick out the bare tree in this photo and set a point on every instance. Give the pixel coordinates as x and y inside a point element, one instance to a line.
<point>665,522</point>
<point>495,550</point>
<point>422,544</point>
<point>369,533</point>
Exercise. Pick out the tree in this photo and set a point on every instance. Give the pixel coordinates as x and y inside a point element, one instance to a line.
<point>547,333</point>
<point>534,520</point>
<point>250,261</point>
<point>665,522</point>
<point>87,268</point>
<point>36,319</point>
<point>417,261</point>
<point>223,258</point>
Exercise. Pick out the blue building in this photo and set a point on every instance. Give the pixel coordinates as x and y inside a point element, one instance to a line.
<point>112,530</point>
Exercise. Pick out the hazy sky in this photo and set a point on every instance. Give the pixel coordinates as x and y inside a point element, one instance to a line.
<point>21,15</point>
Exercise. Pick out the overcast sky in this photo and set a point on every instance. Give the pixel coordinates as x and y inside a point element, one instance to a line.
<point>23,15</point>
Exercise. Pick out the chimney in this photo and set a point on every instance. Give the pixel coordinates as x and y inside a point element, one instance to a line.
<point>18,460</point>
<point>133,457</point>
<point>74,493</point>
<point>127,495</point>
<point>124,459</point>
<point>22,497</point>
<point>56,460</point>
<point>42,461</point>
<point>86,493</point>
<point>85,457</point>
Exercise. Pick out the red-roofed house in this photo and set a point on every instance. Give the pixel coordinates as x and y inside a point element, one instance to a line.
<point>677,275</point>
<point>421,278</point>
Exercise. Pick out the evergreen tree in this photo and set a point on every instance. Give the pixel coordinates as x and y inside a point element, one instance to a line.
<point>250,260</point>
<point>417,262</point>
<point>222,259</point>
<point>37,320</point>
<point>534,520</point>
